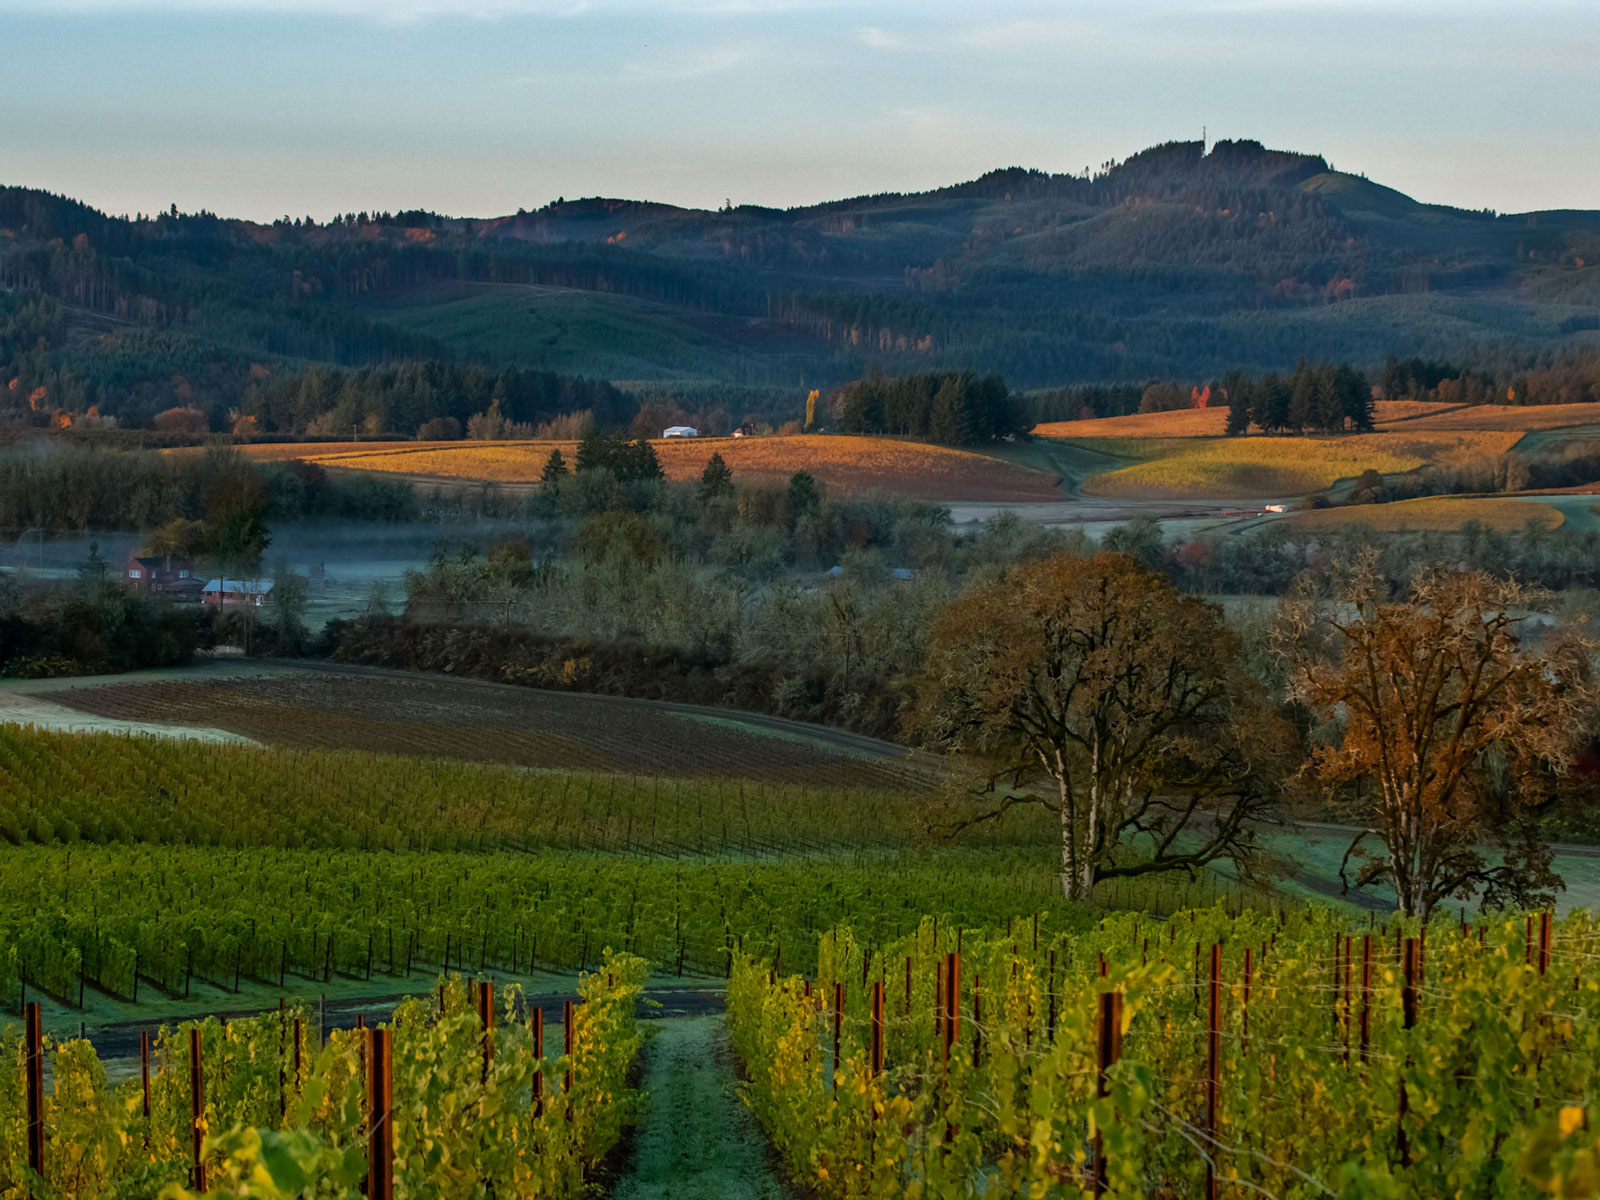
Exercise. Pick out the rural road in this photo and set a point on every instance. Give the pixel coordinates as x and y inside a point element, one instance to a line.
<point>1573,849</point>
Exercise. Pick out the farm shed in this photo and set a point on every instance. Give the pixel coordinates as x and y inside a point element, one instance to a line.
<point>233,593</point>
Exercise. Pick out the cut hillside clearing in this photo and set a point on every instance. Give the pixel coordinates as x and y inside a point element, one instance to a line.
<point>847,465</point>
<point>1431,514</point>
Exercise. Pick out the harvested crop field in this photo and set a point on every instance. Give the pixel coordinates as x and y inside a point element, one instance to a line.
<point>842,464</point>
<point>391,713</point>
<point>1437,514</point>
<point>1259,467</point>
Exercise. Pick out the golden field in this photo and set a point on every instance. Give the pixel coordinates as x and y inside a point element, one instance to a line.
<point>1432,514</point>
<point>842,464</point>
<point>1261,467</point>
<point>1527,419</point>
<point>1412,414</point>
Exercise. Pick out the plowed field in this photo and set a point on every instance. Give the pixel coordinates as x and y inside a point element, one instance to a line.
<point>428,715</point>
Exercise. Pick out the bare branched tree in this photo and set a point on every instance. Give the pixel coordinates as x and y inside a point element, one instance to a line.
<point>1091,687</point>
<point>1450,733</point>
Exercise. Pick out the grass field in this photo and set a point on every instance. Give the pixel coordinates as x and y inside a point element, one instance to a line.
<point>1441,514</point>
<point>841,464</point>
<point>1260,467</point>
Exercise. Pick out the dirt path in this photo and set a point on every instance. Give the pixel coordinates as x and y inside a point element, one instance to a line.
<point>696,1141</point>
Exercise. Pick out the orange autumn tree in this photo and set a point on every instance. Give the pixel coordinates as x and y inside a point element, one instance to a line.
<point>1449,732</point>
<point>1090,687</point>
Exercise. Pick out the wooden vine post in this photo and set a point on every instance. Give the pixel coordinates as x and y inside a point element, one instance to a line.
<point>1108,1051</point>
<point>144,1074</point>
<point>952,1021</point>
<point>838,1023</point>
<point>486,1019</point>
<point>34,1052</point>
<point>1408,1009</point>
<point>1213,1069</point>
<point>877,1028</point>
<point>538,1062</point>
<point>197,1109</point>
<point>380,1116</point>
<point>568,1012</point>
<point>283,1049</point>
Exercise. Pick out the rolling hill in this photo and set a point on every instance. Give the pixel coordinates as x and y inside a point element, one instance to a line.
<point>1184,261</point>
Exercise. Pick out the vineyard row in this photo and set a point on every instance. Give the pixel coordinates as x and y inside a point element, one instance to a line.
<point>451,1099</point>
<point>1291,1055</point>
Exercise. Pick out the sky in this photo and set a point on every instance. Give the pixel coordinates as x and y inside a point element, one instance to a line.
<point>268,108</point>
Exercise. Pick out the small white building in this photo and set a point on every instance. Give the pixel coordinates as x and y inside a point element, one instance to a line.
<point>680,431</point>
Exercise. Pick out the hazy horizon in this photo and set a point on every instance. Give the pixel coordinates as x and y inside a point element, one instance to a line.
<point>267,108</point>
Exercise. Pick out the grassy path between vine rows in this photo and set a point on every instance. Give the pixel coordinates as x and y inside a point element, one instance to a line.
<point>695,1140</point>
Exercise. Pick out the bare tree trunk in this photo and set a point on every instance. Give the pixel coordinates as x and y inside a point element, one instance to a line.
<point>1077,862</point>
<point>1069,848</point>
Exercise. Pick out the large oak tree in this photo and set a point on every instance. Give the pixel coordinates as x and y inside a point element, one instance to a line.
<point>1448,732</point>
<point>1091,687</point>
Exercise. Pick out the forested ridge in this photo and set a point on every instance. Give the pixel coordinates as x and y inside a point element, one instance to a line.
<point>1181,262</point>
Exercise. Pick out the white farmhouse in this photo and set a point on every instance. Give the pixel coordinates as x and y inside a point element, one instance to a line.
<point>680,431</point>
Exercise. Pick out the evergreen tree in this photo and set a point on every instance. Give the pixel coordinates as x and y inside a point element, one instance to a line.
<point>597,450</point>
<point>951,422</point>
<point>1327,404</point>
<point>1392,385</point>
<point>636,460</point>
<point>1302,398</point>
<point>555,470</point>
<point>805,497</point>
<point>1355,397</point>
<point>716,480</point>
<point>1271,410</point>
<point>1240,393</point>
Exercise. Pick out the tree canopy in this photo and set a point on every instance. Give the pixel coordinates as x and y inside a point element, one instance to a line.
<point>1091,687</point>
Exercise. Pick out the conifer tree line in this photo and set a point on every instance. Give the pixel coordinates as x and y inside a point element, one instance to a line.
<point>951,408</point>
<point>1325,398</point>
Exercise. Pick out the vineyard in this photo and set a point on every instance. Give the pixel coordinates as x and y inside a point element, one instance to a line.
<point>525,727</point>
<point>140,923</point>
<point>454,1097</point>
<point>911,1018</point>
<point>842,464</point>
<point>100,788</point>
<point>1287,1054</point>
<point>137,864</point>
